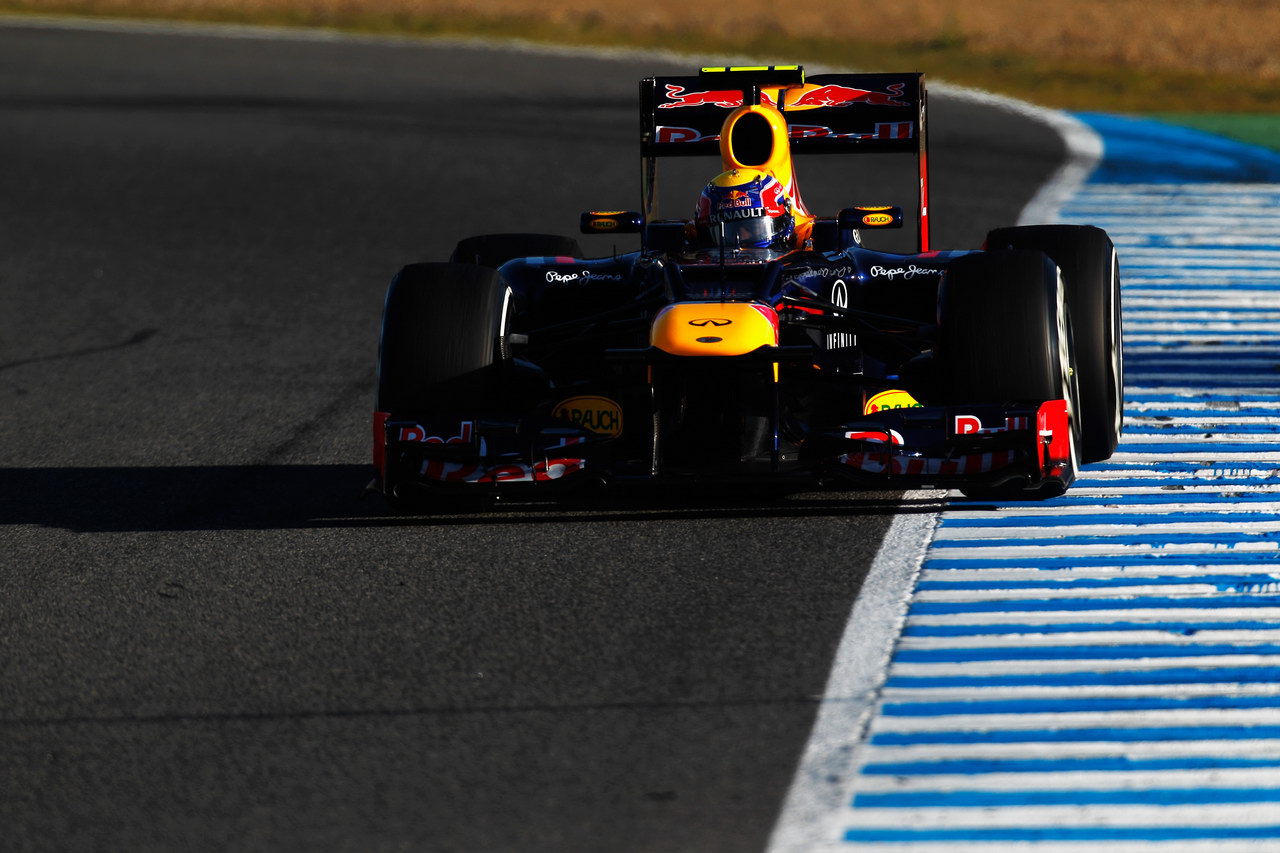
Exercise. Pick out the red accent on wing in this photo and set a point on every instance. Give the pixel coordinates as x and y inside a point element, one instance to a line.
<point>380,444</point>
<point>1052,418</point>
<point>924,202</point>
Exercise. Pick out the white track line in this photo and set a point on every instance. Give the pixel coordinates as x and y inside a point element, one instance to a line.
<point>818,790</point>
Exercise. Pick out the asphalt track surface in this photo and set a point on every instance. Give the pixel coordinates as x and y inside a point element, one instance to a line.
<point>210,640</point>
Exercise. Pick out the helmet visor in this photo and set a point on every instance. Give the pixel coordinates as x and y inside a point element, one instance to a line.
<point>758,231</point>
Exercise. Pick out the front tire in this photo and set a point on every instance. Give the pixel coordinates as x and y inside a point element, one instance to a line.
<point>1005,337</point>
<point>440,354</point>
<point>442,336</point>
<point>1091,272</point>
<point>1001,318</point>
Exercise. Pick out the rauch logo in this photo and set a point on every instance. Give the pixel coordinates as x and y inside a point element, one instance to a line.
<point>598,414</point>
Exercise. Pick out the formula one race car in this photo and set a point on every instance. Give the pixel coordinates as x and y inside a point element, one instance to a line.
<point>756,339</point>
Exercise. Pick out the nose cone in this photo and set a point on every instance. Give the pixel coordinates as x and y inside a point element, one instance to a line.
<point>714,328</point>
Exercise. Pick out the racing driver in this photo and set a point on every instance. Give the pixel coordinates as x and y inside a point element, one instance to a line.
<point>744,209</point>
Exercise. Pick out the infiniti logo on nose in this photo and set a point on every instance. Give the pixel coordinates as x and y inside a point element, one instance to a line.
<point>710,321</point>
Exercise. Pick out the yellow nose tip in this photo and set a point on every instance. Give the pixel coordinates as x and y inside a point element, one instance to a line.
<point>714,328</point>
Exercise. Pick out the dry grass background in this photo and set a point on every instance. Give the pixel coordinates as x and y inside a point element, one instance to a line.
<point>1226,36</point>
<point>973,41</point>
<point>1230,36</point>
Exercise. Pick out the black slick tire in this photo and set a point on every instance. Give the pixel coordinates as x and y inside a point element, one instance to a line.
<point>442,328</point>
<point>1005,337</point>
<point>440,354</point>
<point>1090,271</point>
<point>999,339</point>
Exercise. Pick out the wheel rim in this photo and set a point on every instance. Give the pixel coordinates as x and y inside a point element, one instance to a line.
<point>1117,352</point>
<point>1070,381</point>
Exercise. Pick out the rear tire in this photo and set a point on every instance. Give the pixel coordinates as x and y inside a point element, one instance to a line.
<point>1005,337</point>
<point>1091,272</point>
<point>494,250</point>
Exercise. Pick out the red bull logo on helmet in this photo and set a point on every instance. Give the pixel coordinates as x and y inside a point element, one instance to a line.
<point>759,198</point>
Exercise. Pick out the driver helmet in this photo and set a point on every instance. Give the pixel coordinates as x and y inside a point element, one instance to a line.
<point>748,208</point>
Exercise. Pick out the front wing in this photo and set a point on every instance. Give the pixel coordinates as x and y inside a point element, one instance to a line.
<point>957,446</point>
<point>951,446</point>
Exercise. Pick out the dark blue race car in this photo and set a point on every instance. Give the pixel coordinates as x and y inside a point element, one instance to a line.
<point>757,339</point>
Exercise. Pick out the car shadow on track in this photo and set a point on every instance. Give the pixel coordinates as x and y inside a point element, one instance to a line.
<point>264,497</point>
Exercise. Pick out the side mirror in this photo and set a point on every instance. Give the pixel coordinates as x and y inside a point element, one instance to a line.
<point>871,216</point>
<point>665,235</point>
<point>828,236</point>
<point>611,222</point>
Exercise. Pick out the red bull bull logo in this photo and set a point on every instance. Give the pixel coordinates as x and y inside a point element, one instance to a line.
<point>807,97</point>
<point>678,97</point>
<point>726,98</point>
<point>834,95</point>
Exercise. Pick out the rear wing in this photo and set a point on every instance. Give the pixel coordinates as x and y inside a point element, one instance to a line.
<point>827,113</point>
